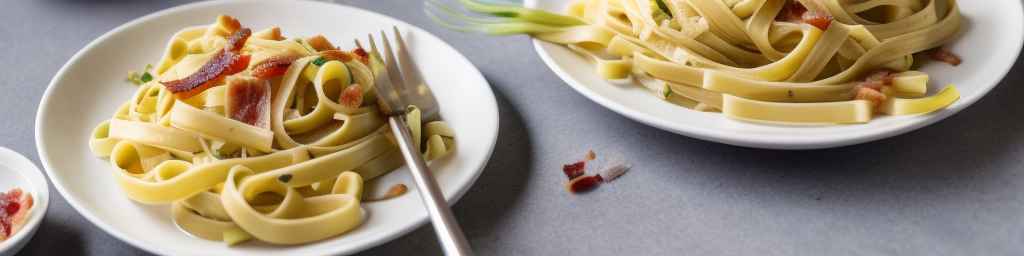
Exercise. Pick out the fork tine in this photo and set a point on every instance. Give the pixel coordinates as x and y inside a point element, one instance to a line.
<point>387,97</point>
<point>373,45</point>
<point>410,73</point>
<point>392,64</point>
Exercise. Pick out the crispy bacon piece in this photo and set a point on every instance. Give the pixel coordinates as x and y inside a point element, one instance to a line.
<point>248,100</point>
<point>944,55</point>
<point>874,96</point>
<point>320,43</point>
<point>338,55</point>
<point>273,66</point>
<point>584,183</point>
<point>15,206</point>
<point>226,62</point>
<point>792,12</point>
<point>237,39</point>
<point>363,56</point>
<point>229,23</point>
<point>574,170</point>
<point>874,85</point>
<point>817,19</point>
<point>351,96</point>
<point>882,75</point>
<point>796,12</point>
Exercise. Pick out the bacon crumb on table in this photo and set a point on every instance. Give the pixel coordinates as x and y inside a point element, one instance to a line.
<point>574,170</point>
<point>579,182</point>
<point>584,183</point>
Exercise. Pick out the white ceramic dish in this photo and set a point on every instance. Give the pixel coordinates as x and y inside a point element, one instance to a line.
<point>989,44</point>
<point>16,171</point>
<point>91,85</point>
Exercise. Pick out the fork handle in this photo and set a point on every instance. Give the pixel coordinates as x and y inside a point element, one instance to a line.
<point>448,231</point>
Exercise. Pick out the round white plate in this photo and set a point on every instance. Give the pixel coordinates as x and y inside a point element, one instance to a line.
<point>989,44</point>
<point>16,171</point>
<point>92,84</point>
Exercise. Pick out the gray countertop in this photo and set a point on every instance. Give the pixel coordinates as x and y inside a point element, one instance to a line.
<point>953,188</point>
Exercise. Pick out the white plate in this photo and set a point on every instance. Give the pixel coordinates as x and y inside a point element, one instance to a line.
<point>989,45</point>
<point>16,171</point>
<point>91,85</point>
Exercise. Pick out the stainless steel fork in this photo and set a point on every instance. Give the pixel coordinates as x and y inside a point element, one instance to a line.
<point>397,88</point>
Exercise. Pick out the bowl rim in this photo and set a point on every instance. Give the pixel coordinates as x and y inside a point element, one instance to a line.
<point>40,195</point>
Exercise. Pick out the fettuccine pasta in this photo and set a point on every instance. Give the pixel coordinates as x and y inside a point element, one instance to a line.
<point>253,135</point>
<point>791,61</point>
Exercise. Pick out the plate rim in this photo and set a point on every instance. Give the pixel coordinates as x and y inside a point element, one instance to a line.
<point>44,158</point>
<point>763,142</point>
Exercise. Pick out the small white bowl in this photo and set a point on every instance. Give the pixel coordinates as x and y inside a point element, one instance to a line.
<point>18,171</point>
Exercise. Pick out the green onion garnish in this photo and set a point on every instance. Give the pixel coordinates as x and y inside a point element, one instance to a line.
<point>663,7</point>
<point>499,19</point>
<point>138,78</point>
<point>285,178</point>
<point>319,61</point>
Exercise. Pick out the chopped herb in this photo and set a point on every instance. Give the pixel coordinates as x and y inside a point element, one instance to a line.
<point>319,61</point>
<point>139,78</point>
<point>663,7</point>
<point>285,178</point>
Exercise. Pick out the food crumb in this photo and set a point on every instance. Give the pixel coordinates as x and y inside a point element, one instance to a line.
<point>945,55</point>
<point>584,183</point>
<point>574,170</point>
<point>393,192</point>
<point>614,171</point>
<point>580,182</point>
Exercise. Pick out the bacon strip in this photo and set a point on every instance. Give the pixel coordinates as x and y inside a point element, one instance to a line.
<point>248,100</point>
<point>792,12</point>
<point>874,96</point>
<point>273,66</point>
<point>883,75</point>
<point>237,40</point>
<point>363,56</point>
<point>817,19</point>
<point>574,170</point>
<point>352,96</point>
<point>226,62</point>
<point>320,43</point>
<point>14,210</point>
<point>944,55</point>
<point>338,55</point>
<point>796,12</point>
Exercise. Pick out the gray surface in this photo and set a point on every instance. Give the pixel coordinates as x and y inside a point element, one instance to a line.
<point>954,188</point>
